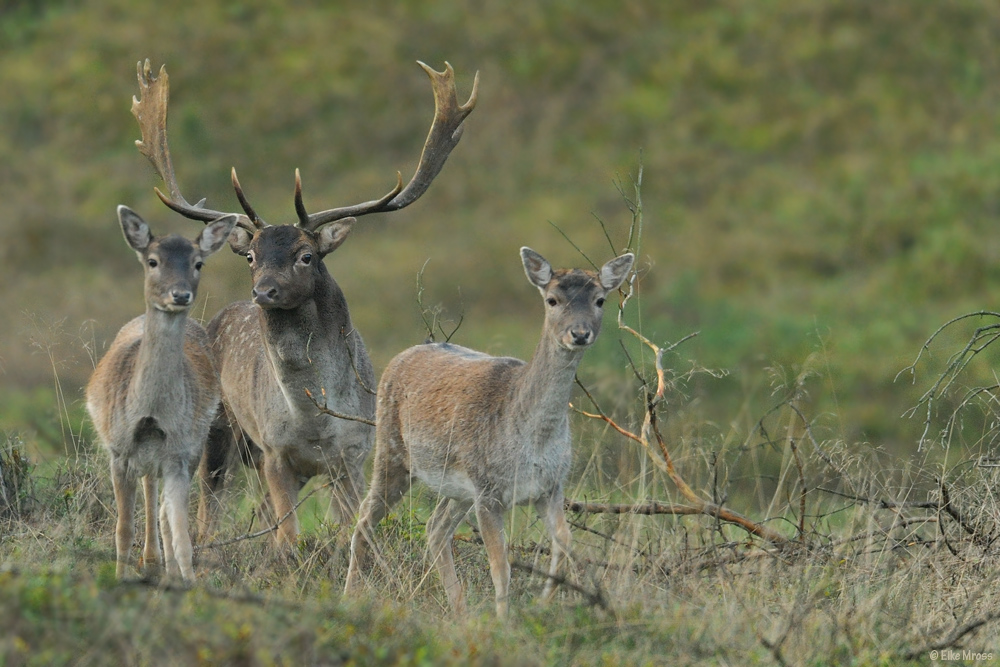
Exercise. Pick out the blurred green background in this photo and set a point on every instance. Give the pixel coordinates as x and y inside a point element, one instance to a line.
<point>821,179</point>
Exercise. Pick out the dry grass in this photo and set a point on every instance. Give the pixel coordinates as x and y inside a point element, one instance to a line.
<point>886,564</point>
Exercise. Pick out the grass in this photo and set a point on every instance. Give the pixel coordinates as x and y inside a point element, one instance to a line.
<point>864,585</point>
<point>885,564</point>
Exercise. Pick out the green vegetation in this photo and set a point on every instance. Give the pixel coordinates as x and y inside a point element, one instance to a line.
<point>820,177</point>
<point>820,194</point>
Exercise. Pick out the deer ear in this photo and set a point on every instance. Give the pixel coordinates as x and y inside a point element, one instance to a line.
<point>239,241</point>
<point>536,267</point>
<point>136,231</point>
<point>613,273</point>
<point>214,235</point>
<point>333,234</point>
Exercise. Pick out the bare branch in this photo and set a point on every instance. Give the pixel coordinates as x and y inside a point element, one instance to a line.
<point>339,415</point>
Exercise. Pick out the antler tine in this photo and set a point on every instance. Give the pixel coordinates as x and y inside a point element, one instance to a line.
<point>444,135</point>
<point>257,222</point>
<point>300,208</point>
<point>151,113</point>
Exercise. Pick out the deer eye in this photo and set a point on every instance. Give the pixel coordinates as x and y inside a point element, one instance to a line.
<point>152,262</point>
<point>600,303</point>
<point>198,265</point>
<point>249,258</point>
<point>551,301</point>
<point>306,258</point>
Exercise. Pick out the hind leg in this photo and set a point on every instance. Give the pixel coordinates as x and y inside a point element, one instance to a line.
<point>220,450</point>
<point>390,480</point>
<point>348,488</point>
<point>440,531</point>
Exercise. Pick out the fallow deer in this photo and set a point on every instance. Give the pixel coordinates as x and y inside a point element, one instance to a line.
<point>155,393</point>
<point>295,341</point>
<point>486,433</point>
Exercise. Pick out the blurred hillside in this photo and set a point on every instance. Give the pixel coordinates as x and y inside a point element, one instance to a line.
<point>821,180</point>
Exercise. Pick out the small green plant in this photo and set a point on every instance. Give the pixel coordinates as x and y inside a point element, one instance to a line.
<point>15,477</point>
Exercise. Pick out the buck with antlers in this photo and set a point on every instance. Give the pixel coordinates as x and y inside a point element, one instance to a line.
<point>155,393</point>
<point>486,433</point>
<point>295,339</point>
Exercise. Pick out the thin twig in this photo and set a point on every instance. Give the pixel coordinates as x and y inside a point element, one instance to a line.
<point>265,531</point>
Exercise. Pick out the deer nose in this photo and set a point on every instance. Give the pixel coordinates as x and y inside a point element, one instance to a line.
<point>581,336</point>
<point>181,297</point>
<point>264,294</point>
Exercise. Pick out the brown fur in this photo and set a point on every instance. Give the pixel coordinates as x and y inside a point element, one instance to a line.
<point>485,432</point>
<point>154,394</point>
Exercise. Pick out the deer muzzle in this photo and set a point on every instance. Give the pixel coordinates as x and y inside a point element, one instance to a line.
<point>265,293</point>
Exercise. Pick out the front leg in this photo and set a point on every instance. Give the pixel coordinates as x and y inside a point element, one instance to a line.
<point>124,488</point>
<point>553,513</point>
<point>490,516</point>
<point>283,487</point>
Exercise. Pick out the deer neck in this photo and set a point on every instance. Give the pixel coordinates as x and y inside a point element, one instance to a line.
<point>159,367</point>
<point>543,390</point>
<point>306,344</point>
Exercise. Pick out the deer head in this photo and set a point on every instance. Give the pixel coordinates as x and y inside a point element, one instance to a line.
<point>172,264</point>
<point>574,298</point>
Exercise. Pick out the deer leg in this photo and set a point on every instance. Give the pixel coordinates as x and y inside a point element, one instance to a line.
<point>283,487</point>
<point>124,488</point>
<point>554,515</point>
<point>390,481</point>
<point>490,516</point>
<point>169,560</point>
<point>440,531</point>
<point>212,471</point>
<point>348,489</point>
<point>151,548</point>
<point>174,522</point>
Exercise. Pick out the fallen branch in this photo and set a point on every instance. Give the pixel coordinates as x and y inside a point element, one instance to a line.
<point>594,598</point>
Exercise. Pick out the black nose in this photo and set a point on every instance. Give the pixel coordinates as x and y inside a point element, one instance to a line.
<point>580,336</point>
<point>264,294</point>
<point>181,297</point>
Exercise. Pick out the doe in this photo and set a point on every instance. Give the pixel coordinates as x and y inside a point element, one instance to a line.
<point>486,432</point>
<point>155,393</point>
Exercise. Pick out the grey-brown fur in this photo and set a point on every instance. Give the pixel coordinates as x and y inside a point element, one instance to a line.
<point>295,336</point>
<point>154,394</point>
<point>486,433</point>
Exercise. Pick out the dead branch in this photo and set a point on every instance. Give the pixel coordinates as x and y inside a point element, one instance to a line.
<point>333,413</point>
<point>952,638</point>
<point>650,508</point>
<point>595,598</point>
<point>264,531</point>
<point>981,338</point>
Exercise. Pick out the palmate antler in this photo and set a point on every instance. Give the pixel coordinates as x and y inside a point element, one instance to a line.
<point>444,135</point>
<point>151,112</point>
